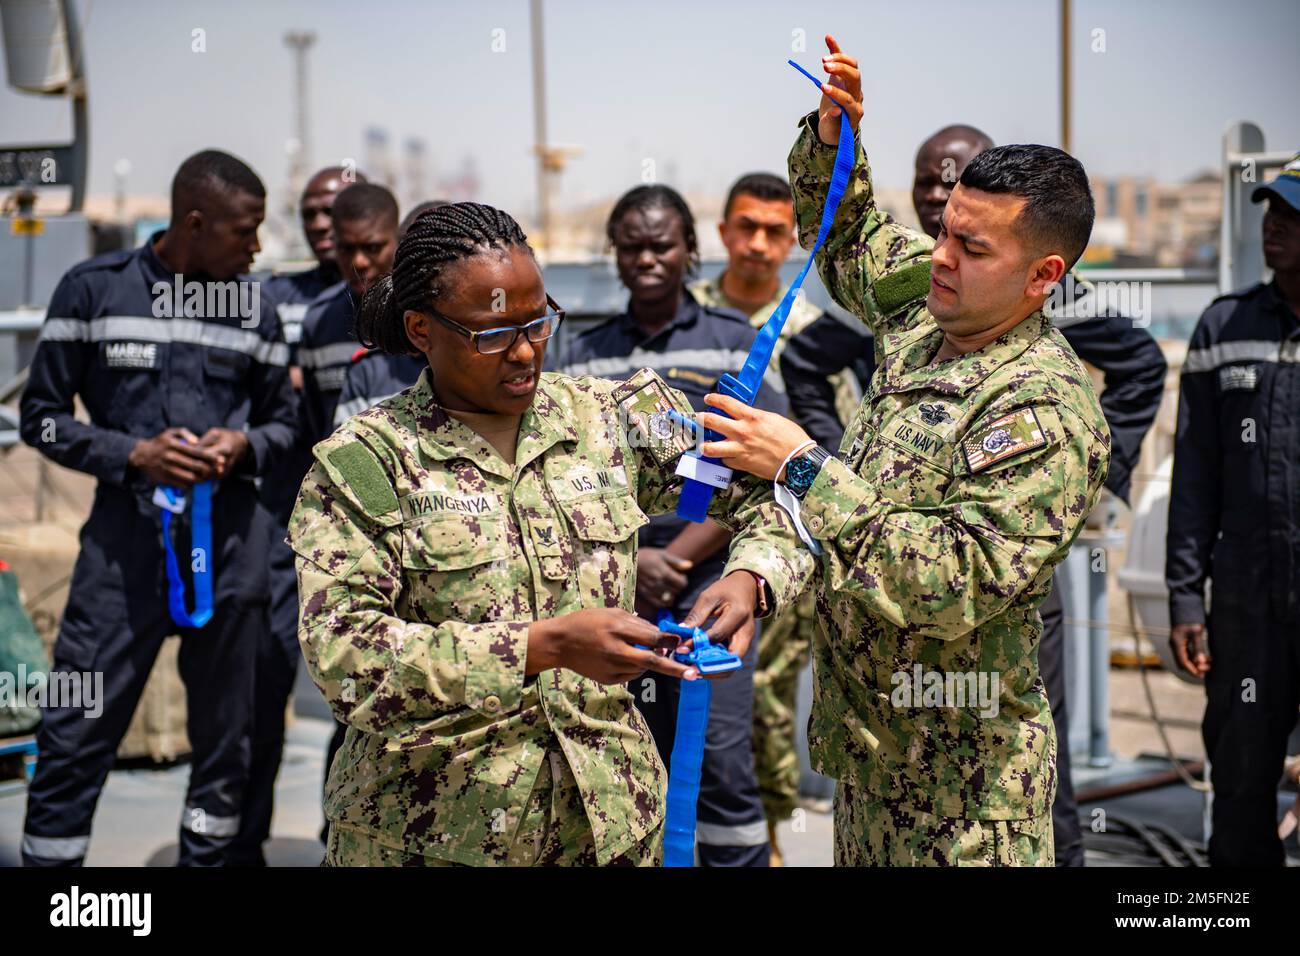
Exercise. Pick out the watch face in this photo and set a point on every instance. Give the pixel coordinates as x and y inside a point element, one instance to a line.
<point>799,475</point>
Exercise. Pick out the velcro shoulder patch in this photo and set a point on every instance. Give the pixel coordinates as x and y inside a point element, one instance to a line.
<point>903,285</point>
<point>362,474</point>
<point>655,417</point>
<point>1002,438</point>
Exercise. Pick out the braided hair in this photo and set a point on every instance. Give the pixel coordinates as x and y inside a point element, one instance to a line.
<point>441,236</point>
<point>657,196</point>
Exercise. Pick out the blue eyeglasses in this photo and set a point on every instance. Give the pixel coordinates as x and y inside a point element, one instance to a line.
<point>495,341</point>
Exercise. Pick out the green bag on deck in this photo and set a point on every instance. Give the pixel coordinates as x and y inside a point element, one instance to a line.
<point>21,656</point>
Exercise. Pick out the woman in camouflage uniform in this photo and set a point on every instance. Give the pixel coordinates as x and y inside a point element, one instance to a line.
<point>466,562</point>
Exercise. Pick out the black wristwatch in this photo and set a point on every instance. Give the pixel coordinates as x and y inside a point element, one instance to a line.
<point>802,471</point>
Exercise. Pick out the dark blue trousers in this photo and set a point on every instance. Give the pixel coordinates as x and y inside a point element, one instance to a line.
<point>112,629</point>
<point>277,666</point>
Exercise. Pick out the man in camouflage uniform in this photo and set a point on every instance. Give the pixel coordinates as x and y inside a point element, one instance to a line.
<point>424,559</point>
<point>1101,335</point>
<point>758,229</point>
<point>966,474</point>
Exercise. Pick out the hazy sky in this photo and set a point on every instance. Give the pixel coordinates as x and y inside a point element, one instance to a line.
<point>700,88</point>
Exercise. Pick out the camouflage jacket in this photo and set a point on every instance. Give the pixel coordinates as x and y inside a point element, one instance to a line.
<point>802,314</point>
<point>422,559</point>
<point>962,485</point>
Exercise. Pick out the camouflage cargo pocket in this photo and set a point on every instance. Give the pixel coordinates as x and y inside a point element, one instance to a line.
<point>604,533</point>
<point>1026,842</point>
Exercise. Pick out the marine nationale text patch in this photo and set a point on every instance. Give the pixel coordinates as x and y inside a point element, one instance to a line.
<point>122,355</point>
<point>1007,436</point>
<point>1233,378</point>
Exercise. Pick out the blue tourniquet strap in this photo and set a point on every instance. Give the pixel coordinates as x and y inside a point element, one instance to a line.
<point>684,772</point>
<point>693,504</point>
<point>200,504</point>
<point>688,746</point>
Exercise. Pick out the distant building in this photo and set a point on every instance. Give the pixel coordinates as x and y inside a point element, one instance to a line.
<point>1141,222</point>
<point>379,162</point>
<point>1194,220</point>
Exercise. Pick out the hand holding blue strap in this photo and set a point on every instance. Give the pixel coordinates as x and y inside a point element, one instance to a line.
<point>704,474</point>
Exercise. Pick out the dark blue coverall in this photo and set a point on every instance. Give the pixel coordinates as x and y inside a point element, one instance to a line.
<point>691,352</point>
<point>374,376</point>
<point>292,293</point>
<point>328,343</point>
<point>1234,519</point>
<point>138,374</point>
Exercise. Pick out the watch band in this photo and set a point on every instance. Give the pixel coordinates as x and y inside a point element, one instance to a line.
<point>764,608</point>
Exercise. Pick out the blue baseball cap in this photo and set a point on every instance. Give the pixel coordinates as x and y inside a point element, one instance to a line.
<point>1285,187</point>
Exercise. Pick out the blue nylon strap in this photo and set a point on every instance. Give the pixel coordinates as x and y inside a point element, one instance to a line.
<point>688,752</point>
<point>685,771</point>
<point>693,504</point>
<point>200,504</point>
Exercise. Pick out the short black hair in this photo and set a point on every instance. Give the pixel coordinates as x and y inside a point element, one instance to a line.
<point>419,210</point>
<point>437,238</point>
<point>651,197</point>
<point>364,201</point>
<point>765,186</point>
<point>207,174</point>
<point>1059,211</point>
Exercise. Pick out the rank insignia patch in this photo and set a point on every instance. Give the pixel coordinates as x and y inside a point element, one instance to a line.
<point>934,414</point>
<point>1007,436</point>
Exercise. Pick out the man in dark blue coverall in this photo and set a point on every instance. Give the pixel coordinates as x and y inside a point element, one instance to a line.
<point>278,654</point>
<point>365,241</point>
<point>292,292</point>
<point>374,376</point>
<point>1127,356</point>
<point>1234,519</point>
<point>182,369</point>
